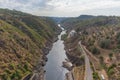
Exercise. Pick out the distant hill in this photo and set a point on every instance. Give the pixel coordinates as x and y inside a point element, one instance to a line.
<point>89,20</point>
<point>59,19</point>
<point>85,17</point>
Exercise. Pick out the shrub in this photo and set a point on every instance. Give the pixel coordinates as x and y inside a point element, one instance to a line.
<point>95,76</point>
<point>5,77</point>
<point>8,71</point>
<point>118,35</point>
<point>105,43</point>
<point>16,75</point>
<point>118,46</point>
<point>12,65</point>
<point>111,55</point>
<point>101,59</point>
<point>110,70</point>
<point>63,37</point>
<point>118,40</point>
<point>95,50</point>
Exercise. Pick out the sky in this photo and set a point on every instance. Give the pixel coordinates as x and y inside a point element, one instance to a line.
<point>64,8</point>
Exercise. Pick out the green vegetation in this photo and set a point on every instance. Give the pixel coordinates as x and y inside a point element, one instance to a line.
<point>22,38</point>
<point>64,37</point>
<point>105,43</point>
<point>110,70</point>
<point>95,50</point>
<point>111,55</point>
<point>101,36</point>
<point>95,76</point>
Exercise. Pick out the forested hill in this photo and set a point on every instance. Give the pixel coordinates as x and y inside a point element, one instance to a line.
<point>89,20</point>
<point>23,40</point>
<point>101,37</point>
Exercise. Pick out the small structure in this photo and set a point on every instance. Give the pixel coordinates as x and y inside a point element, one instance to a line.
<point>72,33</point>
<point>59,25</point>
<point>102,77</point>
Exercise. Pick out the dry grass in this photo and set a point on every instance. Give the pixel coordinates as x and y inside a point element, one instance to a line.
<point>79,72</point>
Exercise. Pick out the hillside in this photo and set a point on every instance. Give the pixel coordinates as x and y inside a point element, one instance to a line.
<point>100,36</point>
<point>24,41</point>
<point>87,20</point>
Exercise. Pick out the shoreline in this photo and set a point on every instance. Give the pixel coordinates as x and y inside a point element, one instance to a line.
<point>69,66</point>
<point>39,72</point>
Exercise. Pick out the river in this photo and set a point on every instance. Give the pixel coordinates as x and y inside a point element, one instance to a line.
<point>54,69</point>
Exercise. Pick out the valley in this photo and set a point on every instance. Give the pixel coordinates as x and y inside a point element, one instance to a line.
<point>59,48</point>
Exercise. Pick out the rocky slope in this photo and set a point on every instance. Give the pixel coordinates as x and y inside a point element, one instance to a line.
<point>24,41</point>
<point>75,56</point>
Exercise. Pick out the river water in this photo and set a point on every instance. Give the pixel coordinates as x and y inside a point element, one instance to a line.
<point>54,69</point>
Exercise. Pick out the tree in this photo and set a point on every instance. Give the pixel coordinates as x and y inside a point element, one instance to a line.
<point>118,40</point>
<point>111,55</point>
<point>95,50</point>
<point>118,35</point>
<point>105,43</point>
<point>101,59</point>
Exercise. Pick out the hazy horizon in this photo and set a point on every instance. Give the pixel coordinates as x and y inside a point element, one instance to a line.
<point>64,8</point>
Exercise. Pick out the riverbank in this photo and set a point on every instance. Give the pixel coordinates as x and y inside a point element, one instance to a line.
<point>38,71</point>
<point>69,66</point>
<point>75,56</point>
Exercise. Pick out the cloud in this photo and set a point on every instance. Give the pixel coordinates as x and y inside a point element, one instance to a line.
<point>63,7</point>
